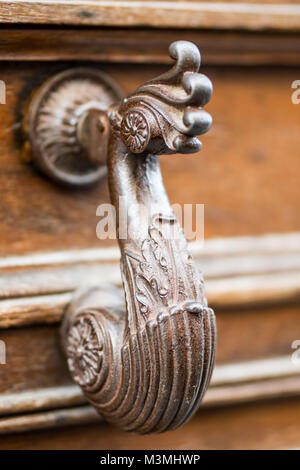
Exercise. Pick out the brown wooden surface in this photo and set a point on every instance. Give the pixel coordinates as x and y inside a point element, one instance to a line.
<point>247,186</point>
<point>35,360</point>
<point>240,272</point>
<point>273,425</point>
<point>249,171</point>
<point>250,334</point>
<point>235,383</point>
<point>146,45</point>
<point>193,14</point>
<point>225,293</point>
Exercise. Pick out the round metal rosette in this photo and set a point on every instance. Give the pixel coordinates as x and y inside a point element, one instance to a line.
<point>86,347</point>
<point>135,131</point>
<point>53,118</point>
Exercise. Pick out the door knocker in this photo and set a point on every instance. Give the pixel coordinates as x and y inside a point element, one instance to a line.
<point>143,358</point>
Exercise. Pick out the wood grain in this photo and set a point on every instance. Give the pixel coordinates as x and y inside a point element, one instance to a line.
<point>272,425</point>
<point>41,399</point>
<point>248,189</point>
<point>239,272</point>
<point>231,384</point>
<point>34,357</point>
<point>255,291</point>
<point>56,419</point>
<point>146,45</point>
<point>179,14</point>
<point>242,159</point>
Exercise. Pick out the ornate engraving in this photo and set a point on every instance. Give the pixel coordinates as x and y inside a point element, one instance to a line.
<point>52,124</point>
<point>135,131</point>
<point>172,104</point>
<point>85,350</point>
<point>162,344</point>
<point>163,275</point>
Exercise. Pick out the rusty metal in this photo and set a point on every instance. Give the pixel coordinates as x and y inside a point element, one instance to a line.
<point>146,361</point>
<point>57,125</point>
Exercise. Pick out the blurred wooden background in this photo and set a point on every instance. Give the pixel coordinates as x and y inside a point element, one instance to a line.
<point>247,175</point>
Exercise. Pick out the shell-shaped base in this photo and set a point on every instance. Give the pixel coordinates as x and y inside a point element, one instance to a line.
<point>166,369</point>
<point>149,382</point>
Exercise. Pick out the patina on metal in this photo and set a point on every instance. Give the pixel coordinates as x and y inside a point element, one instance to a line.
<point>59,126</point>
<point>146,361</point>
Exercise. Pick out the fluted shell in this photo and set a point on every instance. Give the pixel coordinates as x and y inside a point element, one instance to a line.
<point>163,373</point>
<point>149,363</point>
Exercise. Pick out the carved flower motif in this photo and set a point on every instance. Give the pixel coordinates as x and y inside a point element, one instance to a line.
<point>135,131</point>
<point>84,350</point>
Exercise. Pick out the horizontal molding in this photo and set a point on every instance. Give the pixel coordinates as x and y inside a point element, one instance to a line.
<point>271,243</point>
<point>231,384</point>
<point>261,244</point>
<point>32,310</point>
<point>140,46</point>
<point>60,257</point>
<point>41,399</point>
<point>268,289</point>
<point>50,419</point>
<point>238,272</point>
<point>278,388</point>
<point>223,293</point>
<point>253,371</point>
<point>166,14</point>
